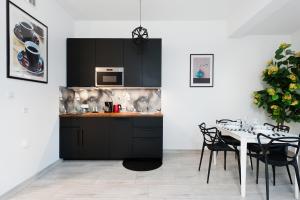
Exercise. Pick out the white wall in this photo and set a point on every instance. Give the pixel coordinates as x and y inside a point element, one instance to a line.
<point>296,40</point>
<point>238,67</point>
<point>39,128</point>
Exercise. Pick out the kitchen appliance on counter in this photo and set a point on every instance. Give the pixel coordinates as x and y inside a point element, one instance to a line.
<point>117,108</point>
<point>109,76</point>
<point>108,106</point>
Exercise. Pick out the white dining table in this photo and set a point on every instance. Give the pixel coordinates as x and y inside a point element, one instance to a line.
<point>245,137</point>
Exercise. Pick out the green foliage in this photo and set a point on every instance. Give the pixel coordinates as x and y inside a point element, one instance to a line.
<point>282,97</point>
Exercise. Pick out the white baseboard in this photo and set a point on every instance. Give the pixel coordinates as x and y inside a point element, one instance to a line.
<point>27,182</point>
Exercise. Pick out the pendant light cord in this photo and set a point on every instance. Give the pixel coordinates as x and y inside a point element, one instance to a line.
<point>140,12</point>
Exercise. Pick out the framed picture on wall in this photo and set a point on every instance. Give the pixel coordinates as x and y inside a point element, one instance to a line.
<point>27,46</point>
<point>201,70</point>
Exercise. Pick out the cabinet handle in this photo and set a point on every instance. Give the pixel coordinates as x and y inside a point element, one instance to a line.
<point>82,137</point>
<point>78,137</point>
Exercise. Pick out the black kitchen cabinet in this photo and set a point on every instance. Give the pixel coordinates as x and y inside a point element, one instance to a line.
<point>120,138</point>
<point>110,138</point>
<point>151,63</point>
<point>147,148</point>
<point>94,138</point>
<point>84,138</point>
<point>142,63</point>
<point>80,62</point>
<point>109,53</point>
<point>147,137</point>
<point>132,64</point>
<point>70,142</point>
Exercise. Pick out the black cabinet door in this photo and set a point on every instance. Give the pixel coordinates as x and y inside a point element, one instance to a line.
<point>69,142</point>
<point>94,138</point>
<point>151,63</point>
<point>132,64</point>
<point>147,148</point>
<point>80,62</point>
<point>120,138</point>
<point>147,139</point>
<point>109,52</point>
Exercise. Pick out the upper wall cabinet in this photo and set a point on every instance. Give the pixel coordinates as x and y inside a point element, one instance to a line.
<point>151,63</point>
<point>132,64</point>
<point>109,52</point>
<point>80,62</point>
<point>142,63</point>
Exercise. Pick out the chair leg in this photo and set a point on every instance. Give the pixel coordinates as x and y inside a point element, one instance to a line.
<point>239,163</point>
<point>297,173</point>
<point>225,153</point>
<point>210,158</point>
<point>203,146</point>
<point>267,178</point>
<point>288,170</point>
<point>257,170</point>
<point>273,169</point>
<point>250,159</point>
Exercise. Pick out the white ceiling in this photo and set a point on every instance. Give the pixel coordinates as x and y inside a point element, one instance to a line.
<point>151,9</point>
<point>285,20</point>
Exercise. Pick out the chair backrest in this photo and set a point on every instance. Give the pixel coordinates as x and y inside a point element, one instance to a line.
<point>269,125</point>
<point>210,135</point>
<point>282,128</point>
<point>271,144</point>
<point>224,121</point>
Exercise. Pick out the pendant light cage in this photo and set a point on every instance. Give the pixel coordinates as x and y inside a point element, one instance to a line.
<point>140,34</point>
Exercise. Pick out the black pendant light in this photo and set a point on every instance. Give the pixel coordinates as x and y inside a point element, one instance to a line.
<point>140,34</point>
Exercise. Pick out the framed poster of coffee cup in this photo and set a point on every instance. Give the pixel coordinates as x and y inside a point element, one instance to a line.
<point>27,46</point>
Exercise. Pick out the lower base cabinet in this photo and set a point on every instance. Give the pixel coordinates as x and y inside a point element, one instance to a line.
<point>69,142</point>
<point>147,148</point>
<point>120,138</point>
<point>102,138</point>
<point>94,139</point>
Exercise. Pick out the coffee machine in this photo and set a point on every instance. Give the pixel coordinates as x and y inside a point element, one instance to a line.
<point>108,107</point>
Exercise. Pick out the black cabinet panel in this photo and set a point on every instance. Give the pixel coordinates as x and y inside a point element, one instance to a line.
<point>69,142</point>
<point>95,138</point>
<point>151,63</point>
<point>142,63</point>
<point>80,62</point>
<point>120,138</point>
<point>147,132</point>
<point>148,122</point>
<point>132,64</point>
<point>147,147</point>
<point>109,52</point>
<point>110,138</point>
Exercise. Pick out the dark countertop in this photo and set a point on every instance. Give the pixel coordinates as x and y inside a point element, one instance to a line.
<point>121,114</point>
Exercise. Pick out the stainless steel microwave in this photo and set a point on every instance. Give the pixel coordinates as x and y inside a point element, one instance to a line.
<point>109,76</point>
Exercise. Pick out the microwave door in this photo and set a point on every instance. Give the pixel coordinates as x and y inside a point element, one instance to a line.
<point>109,79</point>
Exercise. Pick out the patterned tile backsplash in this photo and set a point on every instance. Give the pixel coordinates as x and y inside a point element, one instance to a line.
<point>141,100</point>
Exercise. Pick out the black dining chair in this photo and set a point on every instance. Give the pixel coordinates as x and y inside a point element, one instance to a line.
<point>213,141</point>
<point>228,139</point>
<point>279,127</point>
<point>254,151</point>
<point>279,158</point>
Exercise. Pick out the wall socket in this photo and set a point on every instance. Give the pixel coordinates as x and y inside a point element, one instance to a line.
<point>32,2</point>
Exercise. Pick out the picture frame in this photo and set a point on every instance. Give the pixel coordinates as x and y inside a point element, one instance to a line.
<point>201,70</point>
<point>27,46</point>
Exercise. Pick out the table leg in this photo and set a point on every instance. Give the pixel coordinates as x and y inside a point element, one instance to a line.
<point>296,184</point>
<point>243,155</point>
<point>215,158</point>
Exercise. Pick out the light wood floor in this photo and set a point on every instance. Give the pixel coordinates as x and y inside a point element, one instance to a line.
<point>178,178</point>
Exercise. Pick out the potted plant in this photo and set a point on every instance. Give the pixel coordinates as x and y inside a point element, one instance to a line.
<point>281,97</point>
